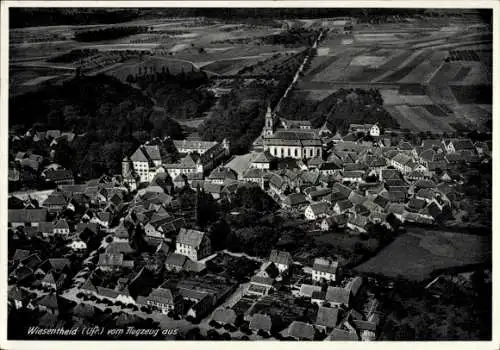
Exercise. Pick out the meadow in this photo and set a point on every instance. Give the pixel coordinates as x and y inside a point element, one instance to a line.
<point>417,254</point>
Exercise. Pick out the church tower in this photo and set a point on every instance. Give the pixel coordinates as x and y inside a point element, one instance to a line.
<point>270,122</point>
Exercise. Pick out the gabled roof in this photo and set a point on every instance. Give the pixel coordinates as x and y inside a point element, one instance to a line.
<point>121,231</point>
<point>176,260</point>
<point>61,224</point>
<point>16,293</point>
<point>325,265</point>
<point>361,325</point>
<point>224,316</point>
<point>300,330</point>
<point>268,281</point>
<point>344,204</point>
<point>88,285</point>
<point>190,237</point>
<point>55,198</point>
<point>280,257</point>
<point>260,322</point>
<point>295,199</point>
<point>20,254</point>
<point>119,247</point>
<point>309,289</point>
<point>327,317</point>
<point>222,173</point>
<point>354,285</point>
<point>343,189</point>
<point>59,175</point>
<point>254,173</point>
<point>319,208</point>
<point>49,301</point>
<point>84,310</point>
<point>337,295</point>
<point>27,215</point>
<point>343,335</point>
<point>108,259</point>
<point>262,157</point>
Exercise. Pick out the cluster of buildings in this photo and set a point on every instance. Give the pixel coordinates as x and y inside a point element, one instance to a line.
<point>336,182</point>
<point>288,301</point>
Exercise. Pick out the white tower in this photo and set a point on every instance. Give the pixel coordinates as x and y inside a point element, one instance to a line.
<point>269,122</point>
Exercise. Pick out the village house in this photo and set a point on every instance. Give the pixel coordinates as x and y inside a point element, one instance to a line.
<point>256,175</point>
<point>220,175</point>
<point>196,163</point>
<point>26,217</point>
<point>260,322</point>
<point>317,210</point>
<point>225,316</point>
<point>282,260</point>
<point>307,290</point>
<point>369,129</point>
<point>299,330</point>
<point>55,202</point>
<point>112,262</point>
<point>327,318</point>
<point>193,146</point>
<point>59,177</point>
<point>193,244</point>
<point>49,303</point>
<point>324,269</point>
<point>261,161</point>
<point>294,201</point>
<point>145,162</point>
<point>338,296</point>
<point>357,223</point>
<point>340,207</point>
<point>163,300</point>
<point>457,145</point>
<point>61,227</point>
<point>175,262</point>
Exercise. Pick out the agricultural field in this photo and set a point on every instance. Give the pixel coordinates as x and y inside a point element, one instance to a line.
<point>425,71</point>
<point>173,43</point>
<point>418,253</point>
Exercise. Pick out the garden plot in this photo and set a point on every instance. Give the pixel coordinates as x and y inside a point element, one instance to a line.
<point>401,118</point>
<point>446,73</point>
<point>395,73</point>
<point>323,51</point>
<point>413,118</point>
<point>371,37</point>
<point>337,69</point>
<point>368,61</point>
<point>392,97</point>
<point>416,100</point>
<point>472,113</point>
<point>441,94</point>
<point>425,70</point>
<point>437,123</point>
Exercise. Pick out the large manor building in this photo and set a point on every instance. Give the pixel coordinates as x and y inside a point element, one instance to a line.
<point>290,138</point>
<point>151,158</point>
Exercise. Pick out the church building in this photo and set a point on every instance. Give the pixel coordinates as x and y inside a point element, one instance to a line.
<point>294,139</point>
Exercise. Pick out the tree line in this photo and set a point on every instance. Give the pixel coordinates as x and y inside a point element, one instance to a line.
<point>110,119</point>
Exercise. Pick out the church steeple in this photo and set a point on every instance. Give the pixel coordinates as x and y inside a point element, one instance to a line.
<point>270,121</point>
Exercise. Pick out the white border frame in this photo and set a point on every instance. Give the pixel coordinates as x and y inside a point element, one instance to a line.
<point>494,344</point>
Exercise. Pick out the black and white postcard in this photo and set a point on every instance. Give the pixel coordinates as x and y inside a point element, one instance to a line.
<point>277,173</point>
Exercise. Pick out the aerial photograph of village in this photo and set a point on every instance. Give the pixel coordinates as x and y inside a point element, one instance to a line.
<point>269,174</point>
